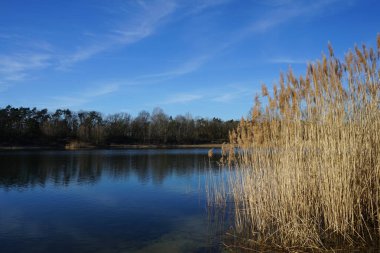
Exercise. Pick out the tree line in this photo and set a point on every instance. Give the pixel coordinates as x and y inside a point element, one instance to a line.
<point>26,126</point>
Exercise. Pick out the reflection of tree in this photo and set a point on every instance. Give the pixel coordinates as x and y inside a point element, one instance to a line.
<point>28,170</point>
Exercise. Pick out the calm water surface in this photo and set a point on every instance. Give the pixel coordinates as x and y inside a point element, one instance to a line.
<point>104,201</point>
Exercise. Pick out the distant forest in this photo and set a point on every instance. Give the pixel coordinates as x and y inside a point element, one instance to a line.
<point>25,126</point>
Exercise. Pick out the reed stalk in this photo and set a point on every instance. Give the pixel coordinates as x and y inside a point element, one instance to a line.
<point>306,173</point>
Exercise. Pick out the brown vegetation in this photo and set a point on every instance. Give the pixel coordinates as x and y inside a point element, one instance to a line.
<point>306,174</point>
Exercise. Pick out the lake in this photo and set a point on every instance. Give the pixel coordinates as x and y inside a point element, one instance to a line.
<point>105,201</point>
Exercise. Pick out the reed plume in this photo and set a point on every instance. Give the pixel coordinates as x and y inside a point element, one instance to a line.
<point>306,173</point>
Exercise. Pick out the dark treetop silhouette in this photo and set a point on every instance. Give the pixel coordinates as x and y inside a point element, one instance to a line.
<point>25,126</point>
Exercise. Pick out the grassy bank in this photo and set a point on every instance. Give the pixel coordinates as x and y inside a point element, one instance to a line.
<point>307,172</point>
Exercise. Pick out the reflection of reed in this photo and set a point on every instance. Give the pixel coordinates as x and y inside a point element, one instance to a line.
<point>25,170</point>
<point>220,208</point>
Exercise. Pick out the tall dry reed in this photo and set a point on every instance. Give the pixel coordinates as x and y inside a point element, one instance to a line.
<point>306,173</point>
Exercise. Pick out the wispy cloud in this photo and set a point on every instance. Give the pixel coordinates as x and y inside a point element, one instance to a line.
<point>85,96</point>
<point>102,90</point>
<point>6,36</point>
<point>65,102</point>
<point>227,97</point>
<point>231,96</point>
<point>4,86</point>
<point>287,60</point>
<point>146,20</point>
<point>224,94</point>
<point>17,67</point>
<point>80,55</point>
<point>284,11</point>
<point>186,67</point>
<point>182,98</point>
<point>231,93</point>
<point>202,5</point>
<point>21,64</point>
<point>149,17</point>
<point>275,3</point>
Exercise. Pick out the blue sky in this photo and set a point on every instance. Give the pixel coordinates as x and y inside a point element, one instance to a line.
<point>208,58</point>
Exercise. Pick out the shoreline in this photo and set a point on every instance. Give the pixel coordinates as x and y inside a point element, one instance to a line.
<point>112,146</point>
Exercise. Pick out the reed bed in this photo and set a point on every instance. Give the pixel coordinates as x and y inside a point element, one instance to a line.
<point>306,171</point>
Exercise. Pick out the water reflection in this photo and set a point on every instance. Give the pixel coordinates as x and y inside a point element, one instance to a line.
<point>62,168</point>
<point>103,201</point>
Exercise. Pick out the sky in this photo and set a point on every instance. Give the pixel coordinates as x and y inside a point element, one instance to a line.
<point>204,57</point>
